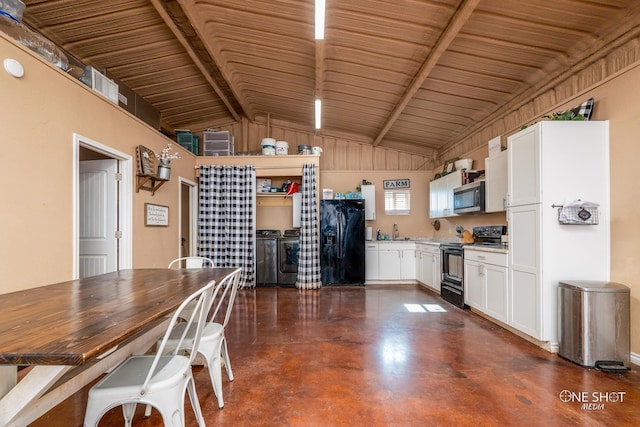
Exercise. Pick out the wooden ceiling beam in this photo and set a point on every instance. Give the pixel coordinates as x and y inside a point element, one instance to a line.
<point>201,58</point>
<point>460,18</point>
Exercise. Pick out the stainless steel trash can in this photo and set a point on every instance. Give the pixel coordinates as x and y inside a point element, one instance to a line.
<point>594,324</point>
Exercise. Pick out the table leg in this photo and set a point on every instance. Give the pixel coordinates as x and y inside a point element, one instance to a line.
<point>8,378</point>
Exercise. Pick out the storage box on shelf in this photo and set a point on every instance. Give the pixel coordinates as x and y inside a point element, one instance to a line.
<point>217,143</point>
<point>188,141</point>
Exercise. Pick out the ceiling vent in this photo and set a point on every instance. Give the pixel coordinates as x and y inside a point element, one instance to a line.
<point>100,83</point>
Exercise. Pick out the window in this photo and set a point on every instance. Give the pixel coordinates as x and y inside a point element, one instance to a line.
<point>397,202</point>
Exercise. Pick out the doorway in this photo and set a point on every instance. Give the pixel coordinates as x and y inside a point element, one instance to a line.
<point>102,208</point>
<point>188,218</point>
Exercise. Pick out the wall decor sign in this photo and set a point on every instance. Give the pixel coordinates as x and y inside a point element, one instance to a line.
<point>395,183</point>
<point>156,215</point>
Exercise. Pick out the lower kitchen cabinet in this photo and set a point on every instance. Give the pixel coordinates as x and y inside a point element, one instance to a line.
<point>371,262</point>
<point>428,265</point>
<point>486,282</point>
<point>474,284</point>
<point>496,291</point>
<point>390,261</point>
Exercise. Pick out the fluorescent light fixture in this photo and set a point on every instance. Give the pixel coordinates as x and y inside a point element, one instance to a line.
<point>319,15</point>
<point>318,113</point>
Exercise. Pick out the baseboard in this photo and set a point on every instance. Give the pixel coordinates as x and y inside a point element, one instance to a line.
<point>551,347</point>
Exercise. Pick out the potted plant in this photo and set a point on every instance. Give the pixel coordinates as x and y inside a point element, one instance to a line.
<point>165,157</point>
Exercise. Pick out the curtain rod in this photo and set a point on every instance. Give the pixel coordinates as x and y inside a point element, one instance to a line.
<point>259,167</point>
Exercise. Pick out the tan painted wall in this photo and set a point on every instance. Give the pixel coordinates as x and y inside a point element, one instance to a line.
<point>416,224</point>
<point>39,114</point>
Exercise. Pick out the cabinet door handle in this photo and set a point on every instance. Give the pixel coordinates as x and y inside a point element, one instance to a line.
<point>481,257</point>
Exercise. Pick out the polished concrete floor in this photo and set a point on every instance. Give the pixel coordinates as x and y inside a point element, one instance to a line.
<point>355,356</point>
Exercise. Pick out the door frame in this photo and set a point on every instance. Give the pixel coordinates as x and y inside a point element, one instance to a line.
<point>193,214</point>
<point>125,200</point>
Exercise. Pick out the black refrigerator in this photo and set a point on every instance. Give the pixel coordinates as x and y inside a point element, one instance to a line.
<point>342,231</point>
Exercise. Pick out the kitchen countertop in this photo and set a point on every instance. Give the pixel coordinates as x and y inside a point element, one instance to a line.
<point>495,249</point>
<point>439,240</point>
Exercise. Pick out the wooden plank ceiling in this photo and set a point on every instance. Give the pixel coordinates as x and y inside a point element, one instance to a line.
<point>417,75</point>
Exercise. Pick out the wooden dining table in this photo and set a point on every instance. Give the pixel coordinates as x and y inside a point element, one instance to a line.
<point>67,334</point>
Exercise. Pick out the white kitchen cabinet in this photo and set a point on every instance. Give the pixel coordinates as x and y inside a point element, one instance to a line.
<point>495,170</point>
<point>435,191</point>
<point>389,262</point>
<point>408,263</point>
<point>486,281</point>
<point>474,284</point>
<point>497,290</point>
<point>371,261</point>
<point>554,163</point>
<point>369,195</point>
<point>441,194</point>
<point>394,261</point>
<point>428,265</point>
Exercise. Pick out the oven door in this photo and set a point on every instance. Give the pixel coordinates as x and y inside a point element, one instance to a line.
<point>288,254</point>
<point>452,265</point>
<point>452,285</point>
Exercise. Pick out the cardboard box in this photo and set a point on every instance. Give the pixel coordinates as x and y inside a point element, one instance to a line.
<point>495,146</point>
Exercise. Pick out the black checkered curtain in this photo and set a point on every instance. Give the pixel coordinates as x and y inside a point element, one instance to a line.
<point>309,258</point>
<point>226,218</point>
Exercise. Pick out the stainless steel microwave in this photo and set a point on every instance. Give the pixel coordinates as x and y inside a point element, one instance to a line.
<point>469,198</point>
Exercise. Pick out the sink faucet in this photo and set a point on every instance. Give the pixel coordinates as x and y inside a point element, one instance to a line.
<point>396,233</point>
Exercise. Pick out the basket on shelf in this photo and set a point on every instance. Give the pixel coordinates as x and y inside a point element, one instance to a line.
<point>583,214</point>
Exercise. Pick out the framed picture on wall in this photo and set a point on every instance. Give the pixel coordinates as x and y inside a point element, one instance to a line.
<point>156,215</point>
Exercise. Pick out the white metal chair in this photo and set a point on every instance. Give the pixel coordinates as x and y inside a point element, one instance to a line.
<point>213,344</point>
<point>158,380</point>
<point>191,262</point>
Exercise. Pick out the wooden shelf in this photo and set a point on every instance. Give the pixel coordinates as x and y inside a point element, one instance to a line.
<point>149,183</point>
<point>273,199</point>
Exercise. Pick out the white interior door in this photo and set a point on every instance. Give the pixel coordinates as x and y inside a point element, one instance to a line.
<point>98,217</point>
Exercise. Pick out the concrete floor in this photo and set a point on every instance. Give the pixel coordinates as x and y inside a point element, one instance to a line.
<point>354,356</point>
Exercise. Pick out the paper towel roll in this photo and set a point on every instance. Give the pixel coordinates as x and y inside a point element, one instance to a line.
<point>297,209</point>
<point>369,235</point>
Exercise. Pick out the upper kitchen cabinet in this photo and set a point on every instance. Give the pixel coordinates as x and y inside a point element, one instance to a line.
<point>496,182</point>
<point>369,195</point>
<point>441,194</point>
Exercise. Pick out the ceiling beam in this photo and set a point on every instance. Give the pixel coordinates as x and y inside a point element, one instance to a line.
<point>192,43</point>
<point>448,35</point>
